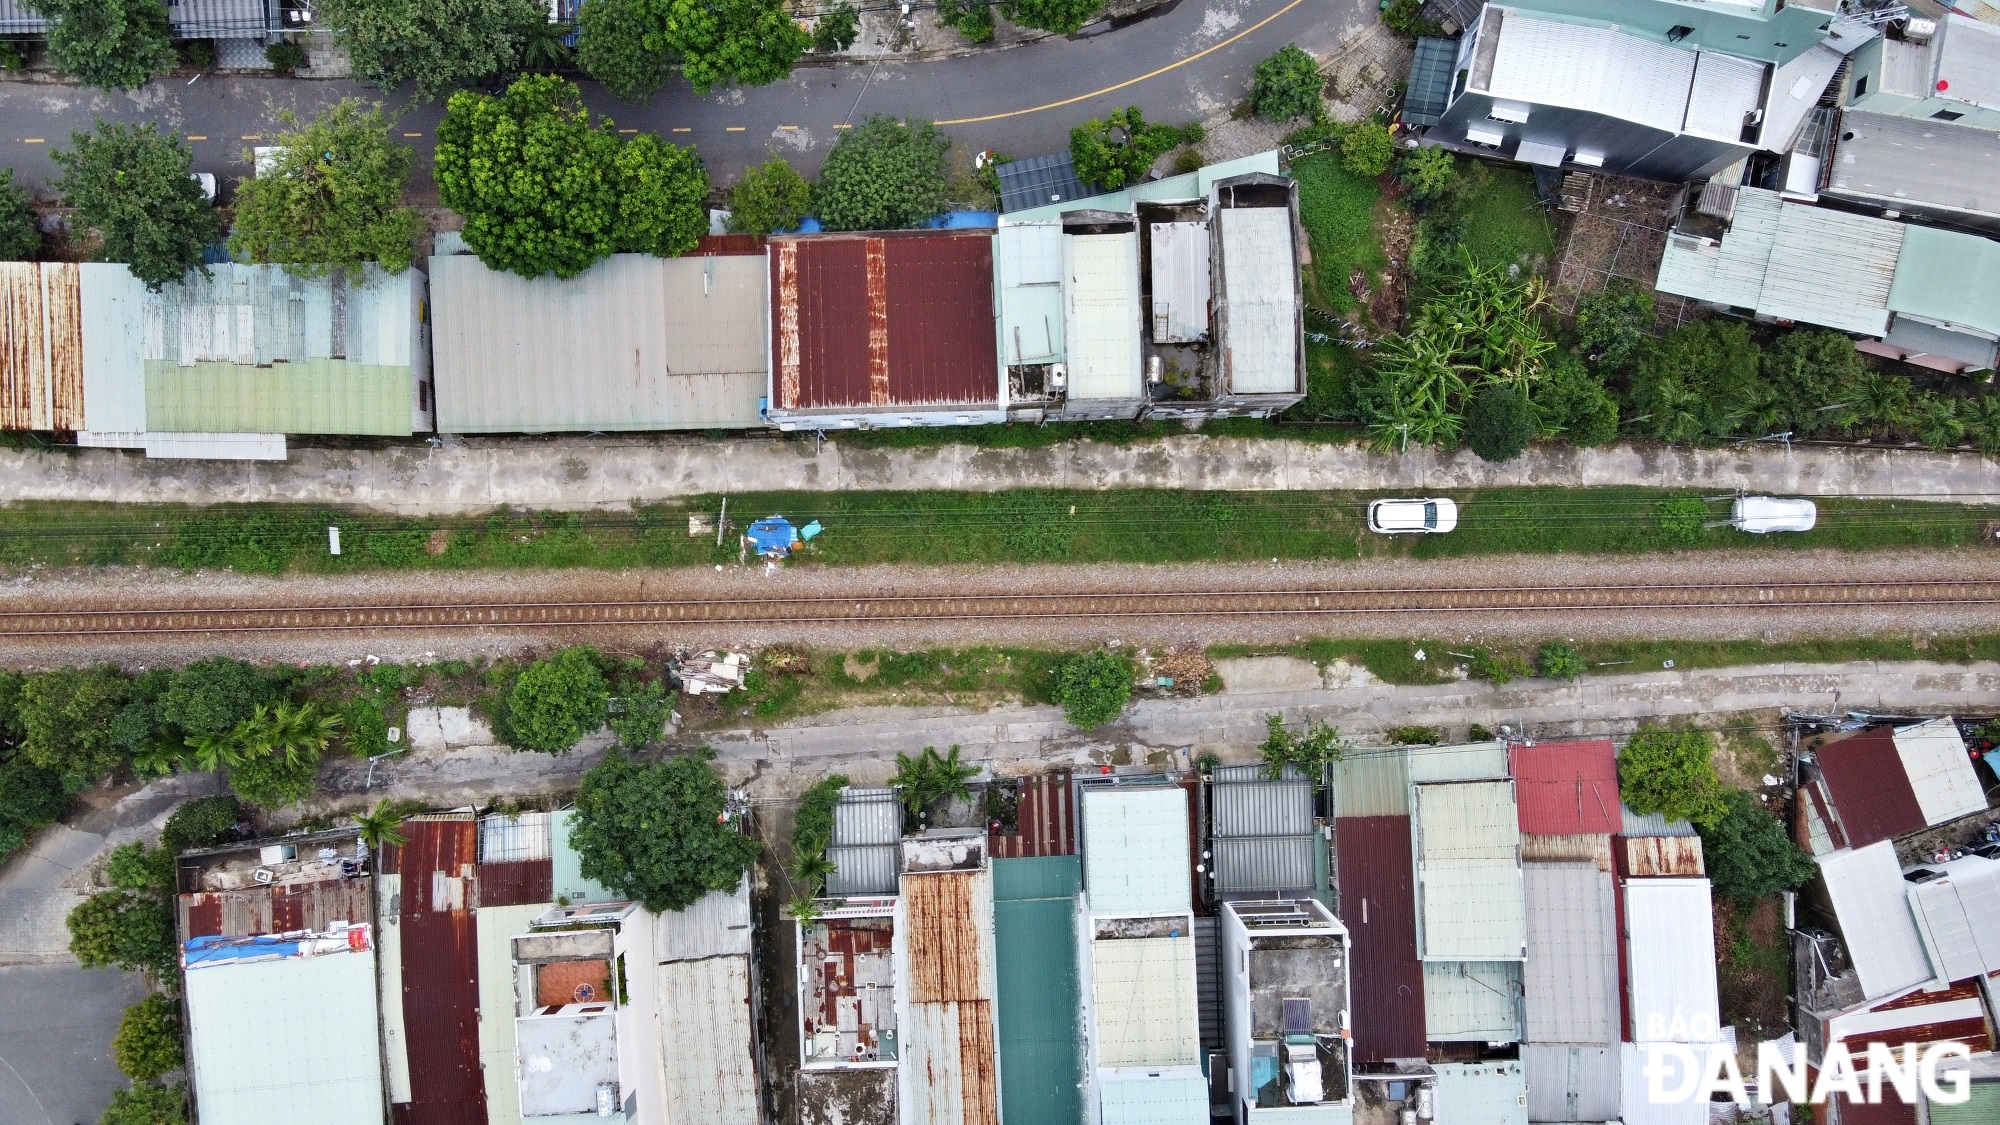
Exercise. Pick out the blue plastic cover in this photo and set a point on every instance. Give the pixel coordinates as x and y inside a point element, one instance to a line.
<point>809,225</point>
<point>964,220</point>
<point>808,531</point>
<point>772,535</point>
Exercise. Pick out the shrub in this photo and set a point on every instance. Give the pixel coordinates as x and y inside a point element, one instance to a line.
<point>770,197</point>
<point>212,695</point>
<point>1611,322</point>
<point>639,713</point>
<point>1367,149</point>
<point>1670,772</point>
<point>1092,688</point>
<point>274,781</point>
<point>147,1105</point>
<point>1496,668</point>
<point>1287,85</point>
<point>656,831</point>
<point>1415,736</point>
<point>135,867</point>
<point>20,236</point>
<point>1697,381</point>
<point>1311,750</point>
<point>1064,17</point>
<point>836,30</point>
<point>285,56</point>
<point>1558,662</point>
<point>1499,423</point>
<point>557,702</point>
<point>1406,17</point>
<point>885,175</point>
<point>200,823</point>
<point>148,1043</point>
<point>131,930</point>
<point>1427,173</point>
<point>1114,151</point>
<point>1681,519</point>
<point>1749,854</point>
<point>1573,403</point>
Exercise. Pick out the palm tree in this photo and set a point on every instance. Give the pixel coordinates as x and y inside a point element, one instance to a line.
<point>297,730</point>
<point>381,826</point>
<point>1938,425</point>
<point>215,752</point>
<point>1883,401</point>
<point>810,872</point>
<point>1982,422</point>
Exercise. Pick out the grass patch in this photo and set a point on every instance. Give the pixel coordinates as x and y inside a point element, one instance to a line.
<point>818,682</point>
<point>1504,223</point>
<point>1337,208</point>
<point>1392,662</point>
<point>1027,526</point>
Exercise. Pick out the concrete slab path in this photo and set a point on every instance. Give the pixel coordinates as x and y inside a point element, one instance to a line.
<point>583,473</point>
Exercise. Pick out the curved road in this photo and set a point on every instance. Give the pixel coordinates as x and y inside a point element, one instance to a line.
<point>1186,61</point>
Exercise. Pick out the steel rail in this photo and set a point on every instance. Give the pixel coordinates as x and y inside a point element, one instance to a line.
<point>888,608</point>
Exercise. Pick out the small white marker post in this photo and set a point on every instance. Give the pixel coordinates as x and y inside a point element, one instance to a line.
<point>332,540</point>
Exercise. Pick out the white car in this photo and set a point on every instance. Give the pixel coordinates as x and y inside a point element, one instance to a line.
<point>1759,515</point>
<point>1412,517</point>
<point>207,182</point>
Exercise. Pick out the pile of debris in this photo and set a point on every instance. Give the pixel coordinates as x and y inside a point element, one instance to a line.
<point>1180,670</point>
<point>710,673</point>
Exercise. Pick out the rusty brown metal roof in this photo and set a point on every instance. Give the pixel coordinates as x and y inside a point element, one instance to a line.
<point>1044,823</point>
<point>520,883</point>
<point>441,972</point>
<point>727,244</point>
<point>1869,787</point>
<point>942,939</point>
<point>1664,855</point>
<point>1378,903</point>
<point>41,346</point>
<point>276,909</point>
<point>884,320</point>
<point>947,936</point>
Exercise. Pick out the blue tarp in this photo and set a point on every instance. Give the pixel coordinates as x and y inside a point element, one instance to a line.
<point>772,535</point>
<point>809,225</point>
<point>808,531</point>
<point>964,220</point>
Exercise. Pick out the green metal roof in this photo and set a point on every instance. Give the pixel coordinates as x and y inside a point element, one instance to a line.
<point>1187,185</point>
<point>317,396</point>
<point>570,885</point>
<point>1949,277</point>
<point>1982,1108</point>
<point>1040,989</point>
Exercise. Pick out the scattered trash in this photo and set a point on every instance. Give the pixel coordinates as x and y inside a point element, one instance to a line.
<point>700,526</point>
<point>1769,780</point>
<point>712,673</point>
<point>1666,663</point>
<point>1421,657</point>
<point>807,532</point>
<point>772,536</point>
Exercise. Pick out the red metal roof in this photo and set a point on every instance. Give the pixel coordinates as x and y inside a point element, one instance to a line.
<point>1378,903</point>
<point>727,244</point>
<point>1567,788</point>
<point>885,320</point>
<point>1871,794</point>
<point>441,973</point>
<point>1893,1110</point>
<point>1044,822</point>
<point>522,883</point>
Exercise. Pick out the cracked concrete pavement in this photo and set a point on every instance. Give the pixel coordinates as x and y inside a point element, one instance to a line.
<point>583,473</point>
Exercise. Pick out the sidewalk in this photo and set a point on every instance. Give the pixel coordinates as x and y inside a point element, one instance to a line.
<point>582,473</point>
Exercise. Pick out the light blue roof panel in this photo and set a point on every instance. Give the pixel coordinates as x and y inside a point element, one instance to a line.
<point>1135,851</point>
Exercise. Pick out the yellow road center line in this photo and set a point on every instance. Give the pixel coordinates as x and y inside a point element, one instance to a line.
<point>733,129</point>
<point>31,140</point>
<point>843,126</point>
<point>253,136</point>
<point>413,134</point>
<point>793,128</point>
<point>1129,81</point>
<point>196,137</point>
<point>628,130</point>
<point>683,130</point>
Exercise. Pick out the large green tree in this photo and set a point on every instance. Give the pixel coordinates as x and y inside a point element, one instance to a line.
<point>20,237</point>
<point>661,189</point>
<point>1611,322</point>
<point>148,1043</point>
<point>1116,150</point>
<point>131,184</point>
<point>1287,85</point>
<point>612,47</point>
<point>1064,17</point>
<point>1091,687</point>
<point>68,717</point>
<point>1499,422</point>
<point>556,702</point>
<point>655,831</point>
<point>133,930</point>
<point>1696,383</point>
<point>886,175</point>
<point>770,197</point>
<point>435,45</point>
<point>331,197</point>
<point>213,694</point>
<point>753,42</point>
<point>1671,772</point>
<point>113,44</point>
<point>1748,852</point>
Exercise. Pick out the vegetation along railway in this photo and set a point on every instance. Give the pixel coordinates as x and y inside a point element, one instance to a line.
<point>138,620</point>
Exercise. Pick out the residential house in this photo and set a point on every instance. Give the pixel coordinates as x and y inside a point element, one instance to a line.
<point>1658,89</point>
<point>226,20</point>
<point>850,1000</point>
<point>587,1023</point>
<point>1471,909</point>
<point>1884,783</point>
<point>1671,991</point>
<point>1037,909</point>
<point>1264,843</point>
<point>949,1072</point>
<point>1285,1010</point>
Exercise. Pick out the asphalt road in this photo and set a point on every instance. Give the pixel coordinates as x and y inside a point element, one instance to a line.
<point>1184,61</point>
<point>55,1041</point>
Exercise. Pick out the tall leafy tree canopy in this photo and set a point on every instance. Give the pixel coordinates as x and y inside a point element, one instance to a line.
<point>556,702</point>
<point>131,184</point>
<point>434,44</point>
<point>331,197</point>
<point>113,44</point>
<point>661,188</point>
<point>1064,17</point>
<point>212,695</point>
<point>20,238</point>
<point>1671,772</point>
<point>654,831</point>
<point>754,42</point>
<point>886,175</point>
<point>612,47</point>
<point>1748,852</point>
<point>770,197</point>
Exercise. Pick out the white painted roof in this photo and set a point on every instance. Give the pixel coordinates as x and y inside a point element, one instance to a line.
<point>1958,918</point>
<point>1725,91</point>
<point>1594,69</point>
<point>1143,1001</point>
<point>1939,770</point>
<point>1640,1110</point>
<point>1671,960</point>
<point>1180,282</point>
<point>1145,1098</point>
<point>1101,316</point>
<point>1258,273</point>
<point>1870,900</point>
<point>1470,898</point>
<point>705,1043</point>
<point>1029,258</point>
<point>1135,851</point>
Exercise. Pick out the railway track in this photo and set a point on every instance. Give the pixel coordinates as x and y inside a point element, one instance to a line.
<point>141,620</point>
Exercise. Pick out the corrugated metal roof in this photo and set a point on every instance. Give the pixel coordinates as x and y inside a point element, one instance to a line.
<point>1640,1109</point>
<point>1648,856</point>
<point>1870,903</point>
<point>883,320</point>
<point>1567,788</point>
<point>1571,976</point>
<point>1378,904</point>
<point>633,343</point>
<point>1652,824</point>
<point>1567,849</point>
<point>1187,186</point>
<point>1372,783</point>
<point>717,925</point>
<point>1904,161</point>
<point>1472,1001</point>
<point>1262,808</point>
<point>510,839</point>
<point>17,18</point>
<point>1891,1110</point>
<point>1039,988</point>
<point>1592,68</point>
<point>499,1003</point>
<point>1487,1093</point>
<point>42,362</point>
<point>1469,872</point>
<point>1569,1083</point>
<point>1912,337</point>
<point>1044,819</point>
<point>1981,1108</point>
<point>1670,961</point>
<point>1259,299</point>
<point>1968,61</point>
<point>1725,91</point>
<point>1144,1099</point>
<point>114,356</point>
<point>1101,316</point>
<point>1939,771</point>
<point>1921,1017</point>
<point>313,397</point>
<point>1958,918</point>
<point>567,865</point>
<point>1431,72</point>
<point>1792,262</point>
<point>1264,863</point>
<point>517,884</point>
<point>291,1039</point>
<point>1031,304</point>
<point>222,19</point>
<point>707,1054</point>
<point>867,816</point>
<point>1731,273</point>
<point>1143,1001</point>
<point>1179,256</point>
<point>1039,181</point>
<point>947,1043</point>
<point>866,870</point>
<point>276,909</point>
<point>1135,851</point>
<point>1872,798</point>
<point>1472,761</point>
<point>441,972</point>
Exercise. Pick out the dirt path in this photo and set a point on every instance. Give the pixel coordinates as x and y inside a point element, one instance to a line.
<point>104,589</point>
